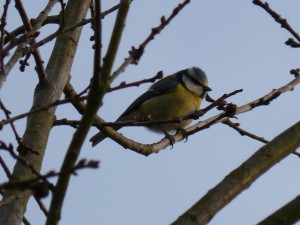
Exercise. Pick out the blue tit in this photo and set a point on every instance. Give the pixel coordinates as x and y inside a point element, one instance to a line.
<point>173,96</point>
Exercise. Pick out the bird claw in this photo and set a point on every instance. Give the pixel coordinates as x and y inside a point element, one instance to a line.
<point>184,133</point>
<point>170,138</point>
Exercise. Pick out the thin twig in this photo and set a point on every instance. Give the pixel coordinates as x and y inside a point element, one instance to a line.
<point>2,33</point>
<point>34,46</point>
<point>195,115</point>
<point>5,168</point>
<point>61,30</point>
<point>7,113</point>
<point>279,19</point>
<point>55,20</point>
<point>136,53</point>
<point>159,75</point>
<point>295,72</point>
<point>21,29</point>
<point>36,24</point>
<point>21,42</point>
<point>266,99</point>
<point>243,132</point>
<point>36,54</point>
<point>43,108</point>
<point>38,200</point>
<point>229,111</point>
<point>10,150</point>
<point>25,38</point>
<point>156,147</point>
<point>17,184</point>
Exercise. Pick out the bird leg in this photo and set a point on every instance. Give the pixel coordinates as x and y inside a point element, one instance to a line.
<point>183,132</point>
<point>169,136</point>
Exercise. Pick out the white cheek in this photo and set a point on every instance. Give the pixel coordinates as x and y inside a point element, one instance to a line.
<point>195,88</point>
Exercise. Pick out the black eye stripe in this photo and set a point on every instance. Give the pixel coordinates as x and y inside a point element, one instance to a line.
<point>194,80</point>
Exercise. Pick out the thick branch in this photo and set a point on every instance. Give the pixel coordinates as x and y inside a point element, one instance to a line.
<point>288,214</point>
<point>242,177</point>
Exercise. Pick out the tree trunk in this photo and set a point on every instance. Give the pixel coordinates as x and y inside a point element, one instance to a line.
<point>13,205</point>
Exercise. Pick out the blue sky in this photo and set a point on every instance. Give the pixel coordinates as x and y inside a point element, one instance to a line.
<point>238,45</point>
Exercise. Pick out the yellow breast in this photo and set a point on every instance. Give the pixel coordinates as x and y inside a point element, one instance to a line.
<point>174,103</point>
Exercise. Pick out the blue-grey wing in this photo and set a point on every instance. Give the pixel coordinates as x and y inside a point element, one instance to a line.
<point>160,87</point>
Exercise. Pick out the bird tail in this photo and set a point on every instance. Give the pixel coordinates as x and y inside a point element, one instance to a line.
<point>97,138</point>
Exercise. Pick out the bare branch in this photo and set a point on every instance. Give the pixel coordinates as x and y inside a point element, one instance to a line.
<point>99,87</point>
<point>159,75</point>
<point>31,182</point>
<point>265,100</point>
<point>7,113</point>
<point>5,168</point>
<point>196,115</point>
<point>283,22</point>
<point>39,125</point>
<point>10,150</point>
<point>53,20</point>
<point>295,72</point>
<point>21,42</point>
<point>156,147</point>
<point>236,126</point>
<point>287,214</point>
<point>136,54</point>
<point>43,108</point>
<point>36,54</point>
<point>242,177</point>
<point>38,200</point>
<point>2,33</point>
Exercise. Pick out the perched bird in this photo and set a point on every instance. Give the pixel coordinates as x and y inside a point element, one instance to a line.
<point>175,95</point>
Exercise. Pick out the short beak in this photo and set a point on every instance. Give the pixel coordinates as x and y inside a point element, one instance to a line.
<point>207,89</point>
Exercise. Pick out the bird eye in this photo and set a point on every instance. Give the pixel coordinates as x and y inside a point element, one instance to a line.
<point>194,80</point>
<point>198,82</point>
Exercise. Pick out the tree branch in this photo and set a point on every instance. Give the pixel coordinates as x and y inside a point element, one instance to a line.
<point>242,177</point>
<point>164,143</point>
<point>54,20</point>
<point>2,33</point>
<point>136,54</point>
<point>36,54</point>
<point>9,176</point>
<point>283,22</point>
<point>287,214</point>
<point>159,75</point>
<point>99,87</point>
<point>243,132</point>
<point>40,109</point>
<point>39,125</point>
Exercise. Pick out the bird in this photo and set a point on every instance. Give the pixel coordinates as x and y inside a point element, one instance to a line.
<point>175,95</point>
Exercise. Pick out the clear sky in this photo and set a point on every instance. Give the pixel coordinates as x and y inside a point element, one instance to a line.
<point>238,45</point>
